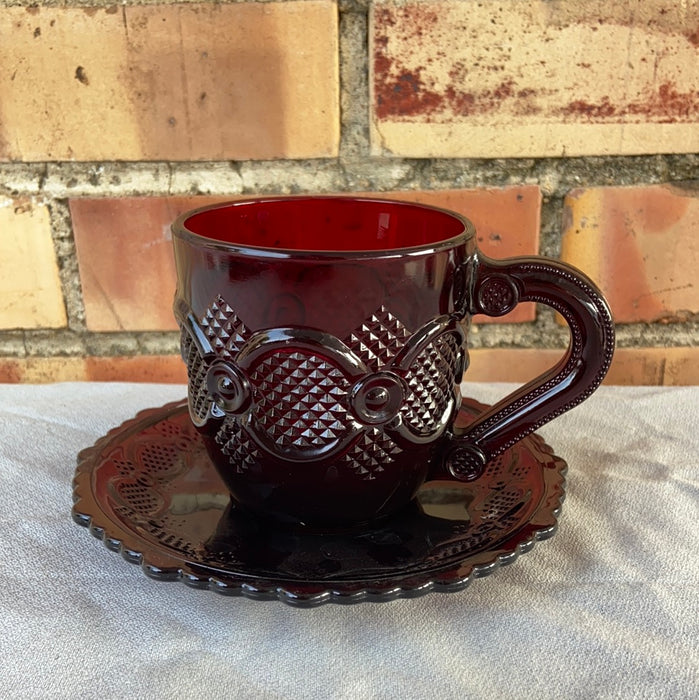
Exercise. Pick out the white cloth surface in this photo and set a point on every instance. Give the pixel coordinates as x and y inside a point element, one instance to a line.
<point>608,608</point>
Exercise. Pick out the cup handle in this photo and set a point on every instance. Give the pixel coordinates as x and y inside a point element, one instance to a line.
<point>497,287</point>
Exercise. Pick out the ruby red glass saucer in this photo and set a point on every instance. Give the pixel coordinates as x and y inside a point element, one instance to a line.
<point>149,490</point>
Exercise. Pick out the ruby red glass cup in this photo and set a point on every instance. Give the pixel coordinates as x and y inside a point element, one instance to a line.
<point>325,340</point>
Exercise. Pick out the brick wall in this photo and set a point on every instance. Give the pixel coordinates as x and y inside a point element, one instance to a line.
<point>568,129</point>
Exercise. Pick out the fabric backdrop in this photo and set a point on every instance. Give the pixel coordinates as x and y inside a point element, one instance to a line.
<point>608,608</point>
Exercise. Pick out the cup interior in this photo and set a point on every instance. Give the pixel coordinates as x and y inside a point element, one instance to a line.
<point>340,224</point>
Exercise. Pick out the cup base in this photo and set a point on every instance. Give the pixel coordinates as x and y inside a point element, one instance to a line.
<point>263,521</point>
<point>323,495</point>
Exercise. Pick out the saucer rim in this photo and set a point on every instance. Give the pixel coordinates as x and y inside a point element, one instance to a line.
<point>164,565</point>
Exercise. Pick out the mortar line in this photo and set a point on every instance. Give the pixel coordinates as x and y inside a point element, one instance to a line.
<point>353,83</point>
<point>556,176</point>
<point>67,258</point>
<point>521,336</point>
<point>78,4</point>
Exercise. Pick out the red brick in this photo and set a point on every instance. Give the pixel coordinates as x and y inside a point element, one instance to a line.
<point>533,78</point>
<point>630,366</point>
<point>42,370</point>
<point>162,369</point>
<point>196,81</point>
<point>664,366</point>
<point>127,269</point>
<point>11,370</point>
<point>640,245</point>
<point>509,364</point>
<point>30,287</point>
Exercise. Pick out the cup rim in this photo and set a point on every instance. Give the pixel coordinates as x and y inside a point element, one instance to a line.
<point>180,230</point>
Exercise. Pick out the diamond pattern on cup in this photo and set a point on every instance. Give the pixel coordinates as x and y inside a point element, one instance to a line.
<point>370,453</point>
<point>199,400</point>
<point>431,384</point>
<point>379,338</point>
<point>299,399</point>
<point>225,331</point>
<point>237,445</point>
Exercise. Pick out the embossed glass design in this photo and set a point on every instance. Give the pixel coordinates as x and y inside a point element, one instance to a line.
<point>149,490</point>
<point>325,339</point>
